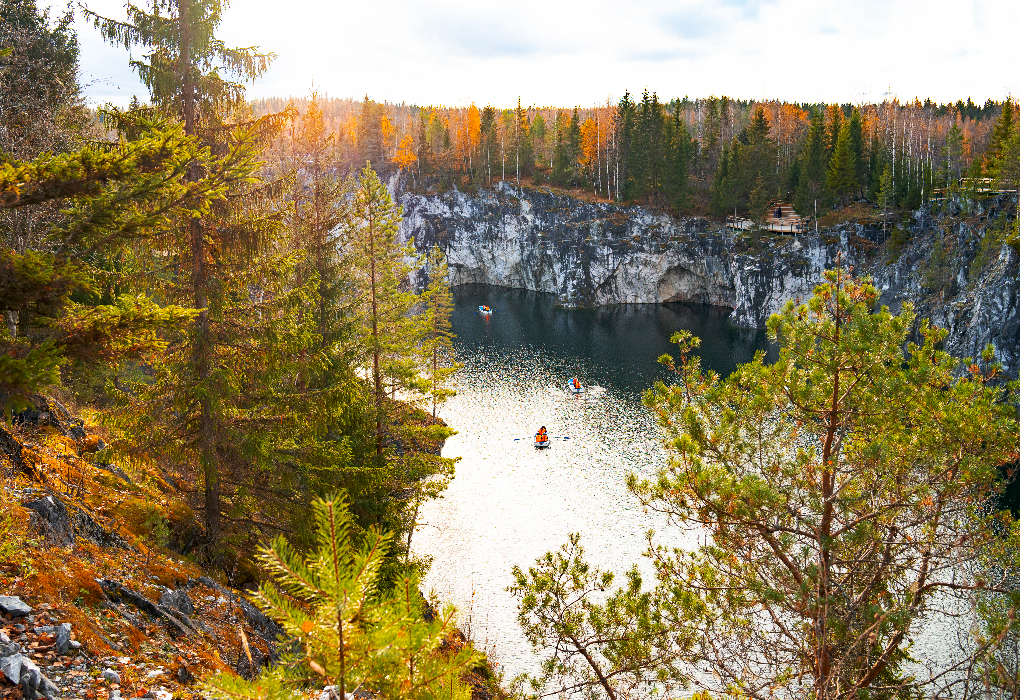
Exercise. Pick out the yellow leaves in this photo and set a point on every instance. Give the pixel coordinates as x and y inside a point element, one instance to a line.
<point>312,664</point>
<point>406,157</point>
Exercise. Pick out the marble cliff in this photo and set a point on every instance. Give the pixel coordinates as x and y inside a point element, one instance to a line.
<point>591,254</point>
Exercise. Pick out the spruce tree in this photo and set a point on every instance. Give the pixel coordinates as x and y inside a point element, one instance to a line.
<point>380,276</point>
<point>841,179</point>
<point>813,164</point>
<point>194,77</point>
<point>437,348</point>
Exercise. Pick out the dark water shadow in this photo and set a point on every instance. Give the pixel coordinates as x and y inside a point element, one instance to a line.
<point>615,346</point>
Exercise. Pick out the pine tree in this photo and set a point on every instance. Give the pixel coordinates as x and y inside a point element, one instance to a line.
<point>832,487</point>
<point>352,633</point>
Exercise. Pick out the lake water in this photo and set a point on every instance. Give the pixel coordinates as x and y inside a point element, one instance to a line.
<point>509,502</point>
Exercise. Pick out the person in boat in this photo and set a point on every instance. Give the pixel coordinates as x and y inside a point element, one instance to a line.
<point>542,435</point>
<point>575,384</point>
<point>485,309</point>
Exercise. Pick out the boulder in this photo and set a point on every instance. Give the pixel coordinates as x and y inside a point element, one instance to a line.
<point>22,671</point>
<point>14,606</point>
<point>63,637</point>
<point>179,624</point>
<point>61,525</point>
<point>177,600</point>
<point>49,411</point>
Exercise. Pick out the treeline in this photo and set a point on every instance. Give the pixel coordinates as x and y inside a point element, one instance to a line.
<point>245,321</point>
<point>709,155</point>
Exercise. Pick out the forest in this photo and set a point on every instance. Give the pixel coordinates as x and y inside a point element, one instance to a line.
<point>706,156</point>
<point>218,284</point>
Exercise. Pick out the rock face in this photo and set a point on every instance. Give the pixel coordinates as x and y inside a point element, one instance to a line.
<point>592,254</point>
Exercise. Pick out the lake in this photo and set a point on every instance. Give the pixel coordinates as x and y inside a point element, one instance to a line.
<point>509,502</point>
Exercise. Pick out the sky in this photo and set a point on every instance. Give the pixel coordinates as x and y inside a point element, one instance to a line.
<point>566,52</point>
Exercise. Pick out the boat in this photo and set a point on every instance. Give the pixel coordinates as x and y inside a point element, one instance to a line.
<point>484,310</point>
<point>544,444</point>
<point>579,389</point>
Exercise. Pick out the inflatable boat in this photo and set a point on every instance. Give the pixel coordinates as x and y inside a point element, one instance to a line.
<point>542,445</point>
<point>484,310</point>
<point>575,389</point>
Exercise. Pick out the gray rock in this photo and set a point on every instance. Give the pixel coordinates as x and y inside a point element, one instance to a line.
<point>115,591</point>
<point>61,525</point>
<point>14,606</point>
<point>111,676</point>
<point>177,600</point>
<point>44,629</point>
<point>63,637</point>
<point>22,671</point>
<point>185,676</point>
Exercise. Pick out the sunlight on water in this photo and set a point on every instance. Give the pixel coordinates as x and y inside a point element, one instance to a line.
<point>509,502</point>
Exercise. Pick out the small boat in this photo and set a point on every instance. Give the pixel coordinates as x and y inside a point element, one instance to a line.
<point>543,444</point>
<point>485,310</point>
<point>579,389</point>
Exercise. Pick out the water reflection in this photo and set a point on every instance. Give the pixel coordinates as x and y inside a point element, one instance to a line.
<point>510,502</point>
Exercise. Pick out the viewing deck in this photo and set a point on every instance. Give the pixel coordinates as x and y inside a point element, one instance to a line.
<point>787,221</point>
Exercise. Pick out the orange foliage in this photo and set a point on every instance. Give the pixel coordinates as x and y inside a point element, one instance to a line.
<point>406,157</point>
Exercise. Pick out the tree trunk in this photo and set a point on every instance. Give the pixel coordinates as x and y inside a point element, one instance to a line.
<point>202,345</point>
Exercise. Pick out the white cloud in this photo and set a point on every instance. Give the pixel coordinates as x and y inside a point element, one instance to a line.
<point>565,53</point>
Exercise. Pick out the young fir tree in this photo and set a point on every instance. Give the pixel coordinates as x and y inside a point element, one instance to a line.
<point>351,633</point>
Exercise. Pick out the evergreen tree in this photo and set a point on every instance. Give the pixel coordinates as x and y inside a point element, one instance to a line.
<point>835,125</point>
<point>437,348</point>
<point>841,179</point>
<point>539,133</point>
<point>857,149</point>
<point>601,648</point>
<point>112,197</point>
<point>814,165</point>
<point>625,125</point>
<point>380,270</point>
<point>833,486</point>
<point>352,633</point>
<point>679,156</point>
<point>1003,129</point>
<point>188,72</point>
<point>886,194</point>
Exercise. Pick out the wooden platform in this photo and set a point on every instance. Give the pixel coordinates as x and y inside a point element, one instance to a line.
<point>788,220</point>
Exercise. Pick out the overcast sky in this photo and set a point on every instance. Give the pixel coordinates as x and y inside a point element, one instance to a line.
<point>567,52</point>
